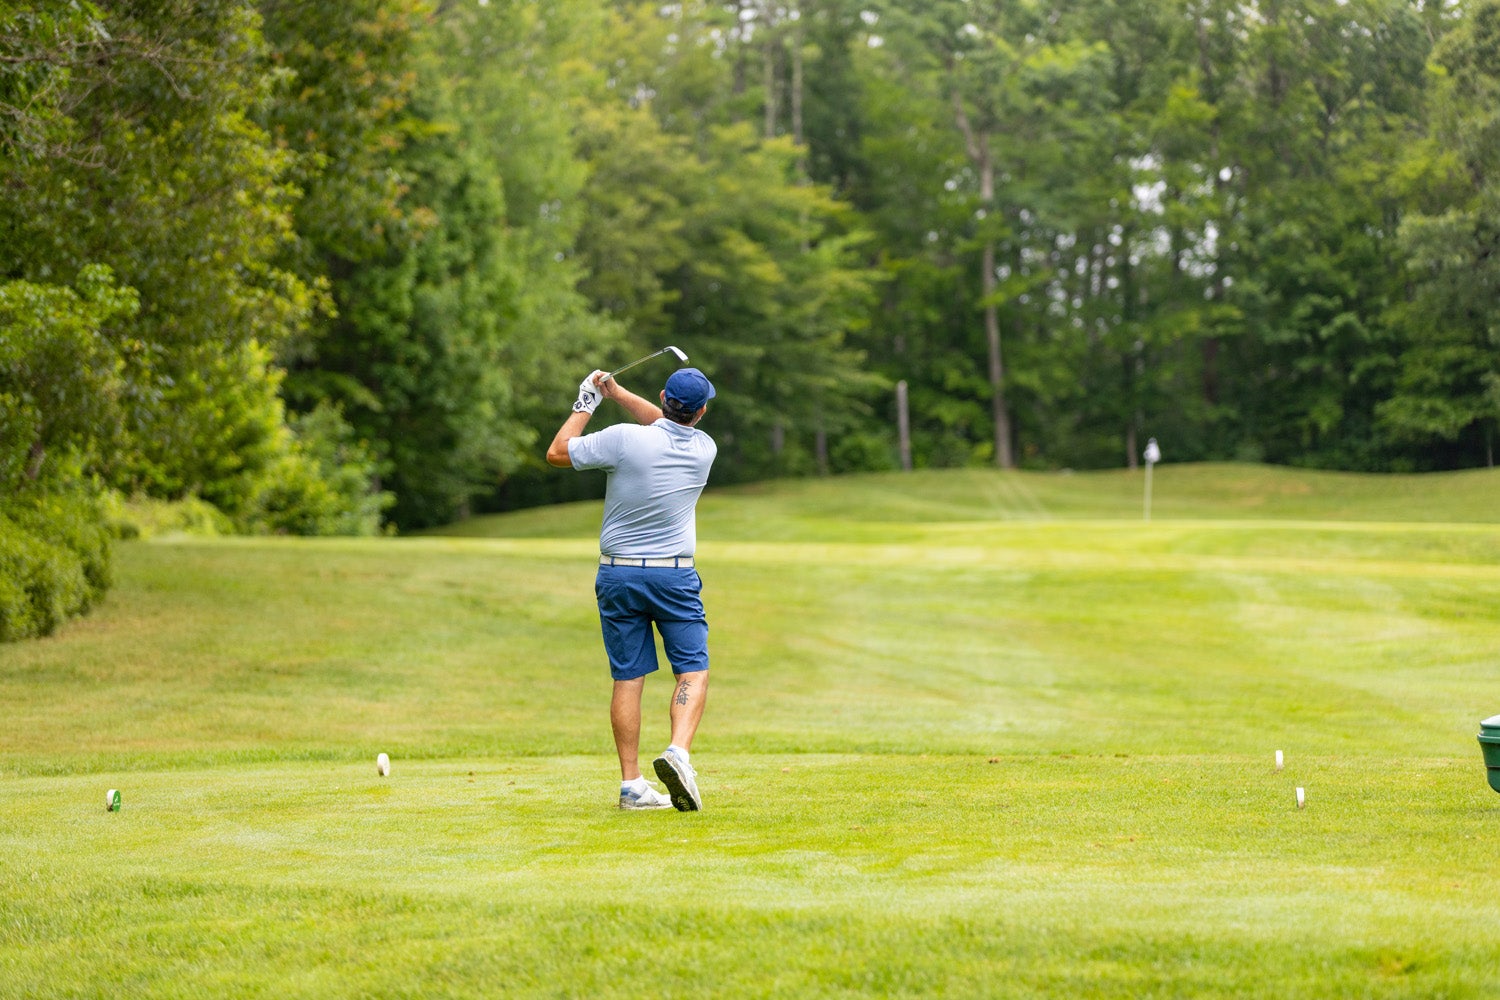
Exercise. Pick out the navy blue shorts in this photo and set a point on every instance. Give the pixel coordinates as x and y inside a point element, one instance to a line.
<point>631,599</point>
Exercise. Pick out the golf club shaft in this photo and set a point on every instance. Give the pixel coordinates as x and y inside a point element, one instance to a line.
<point>639,361</point>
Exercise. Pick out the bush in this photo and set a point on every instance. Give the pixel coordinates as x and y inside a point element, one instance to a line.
<point>55,563</point>
<point>75,524</point>
<point>863,453</point>
<point>147,517</point>
<point>20,561</point>
<point>320,485</point>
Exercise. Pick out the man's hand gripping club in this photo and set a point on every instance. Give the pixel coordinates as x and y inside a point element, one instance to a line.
<point>589,393</point>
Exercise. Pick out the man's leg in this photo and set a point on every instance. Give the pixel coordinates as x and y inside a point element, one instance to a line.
<point>688,699</point>
<point>684,634</point>
<point>687,648</point>
<point>626,627</point>
<point>673,766</point>
<point>625,720</point>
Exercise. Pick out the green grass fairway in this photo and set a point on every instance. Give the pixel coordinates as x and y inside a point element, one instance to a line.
<point>969,734</point>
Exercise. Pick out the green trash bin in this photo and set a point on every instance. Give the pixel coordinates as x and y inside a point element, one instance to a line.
<point>1489,743</point>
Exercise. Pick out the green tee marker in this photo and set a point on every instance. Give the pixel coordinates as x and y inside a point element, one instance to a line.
<point>112,800</point>
<point>1489,745</point>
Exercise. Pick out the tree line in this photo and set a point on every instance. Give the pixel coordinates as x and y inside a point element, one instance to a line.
<point>334,267</point>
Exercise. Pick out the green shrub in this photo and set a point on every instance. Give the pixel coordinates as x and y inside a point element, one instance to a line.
<point>147,517</point>
<point>321,484</point>
<point>19,615</point>
<point>863,453</point>
<point>45,584</point>
<point>55,562</point>
<point>76,524</point>
<point>318,484</point>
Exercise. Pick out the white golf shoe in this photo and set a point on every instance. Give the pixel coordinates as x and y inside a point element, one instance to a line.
<point>681,781</point>
<point>648,799</point>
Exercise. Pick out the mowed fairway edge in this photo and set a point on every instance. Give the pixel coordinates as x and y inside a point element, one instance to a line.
<point>982,759</point>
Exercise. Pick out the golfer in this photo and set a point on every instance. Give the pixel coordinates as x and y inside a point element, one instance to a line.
<point>657,468</point>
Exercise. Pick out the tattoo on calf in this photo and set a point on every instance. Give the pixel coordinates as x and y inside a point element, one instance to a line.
<point>682,691</point>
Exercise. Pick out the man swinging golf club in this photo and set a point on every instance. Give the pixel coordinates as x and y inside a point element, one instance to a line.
<point>657,469</point>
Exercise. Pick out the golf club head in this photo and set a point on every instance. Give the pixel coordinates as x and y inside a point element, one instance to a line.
<point>680,356</point>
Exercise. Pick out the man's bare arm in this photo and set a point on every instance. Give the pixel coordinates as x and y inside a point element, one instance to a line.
<point>557,451</point>
<point>642,410</point>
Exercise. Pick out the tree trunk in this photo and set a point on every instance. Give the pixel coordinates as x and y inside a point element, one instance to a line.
<point>773,96</point>
<point>998,407</point>
<point>903,425</point>
<point>740,72</point>
<point>1211,370</point>
<point>977,145</point>
<point>37,455</point>
<point>1000,411</point>
<point>796,95</point>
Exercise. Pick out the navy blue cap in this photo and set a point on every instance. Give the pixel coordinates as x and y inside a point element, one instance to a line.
<point>690,387</point>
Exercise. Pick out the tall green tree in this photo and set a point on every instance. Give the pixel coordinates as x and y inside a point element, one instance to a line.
<point>1329,92</point>
<point>1447,392</point>
<point>443,202</point>
<point>756,272</point>
<point>922,330</point>
<point>1033,109</point>
<point>152,164</point>
<point>62,384</point>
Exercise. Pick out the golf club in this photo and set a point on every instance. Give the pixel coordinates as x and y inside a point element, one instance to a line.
<point>637,361</point>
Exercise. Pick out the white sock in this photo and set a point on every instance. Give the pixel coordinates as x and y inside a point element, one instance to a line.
<point>636,784</point>
<point>678,751</point>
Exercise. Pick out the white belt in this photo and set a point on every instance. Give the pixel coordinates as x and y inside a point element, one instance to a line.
<point>675,562</point>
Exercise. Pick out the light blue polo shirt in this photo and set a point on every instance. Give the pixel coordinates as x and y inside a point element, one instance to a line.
<point>656,473</point>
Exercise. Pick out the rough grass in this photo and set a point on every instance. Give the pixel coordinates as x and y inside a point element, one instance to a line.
<point>951,750</point>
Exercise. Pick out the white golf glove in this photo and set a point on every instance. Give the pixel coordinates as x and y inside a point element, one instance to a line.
<point>588,394</point>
